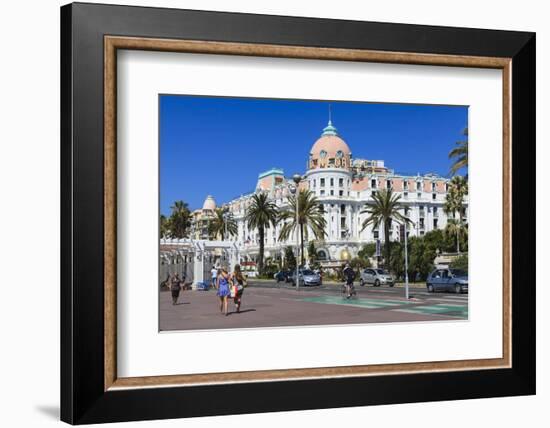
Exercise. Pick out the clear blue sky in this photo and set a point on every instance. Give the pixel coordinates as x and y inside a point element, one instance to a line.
<point>218,146</point>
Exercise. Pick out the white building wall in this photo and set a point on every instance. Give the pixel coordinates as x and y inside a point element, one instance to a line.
<point>354,205</point>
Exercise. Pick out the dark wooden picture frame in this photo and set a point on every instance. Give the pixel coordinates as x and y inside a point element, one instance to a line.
<point>90,37</point>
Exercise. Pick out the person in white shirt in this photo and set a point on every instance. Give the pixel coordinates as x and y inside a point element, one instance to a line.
<point>214,273</point>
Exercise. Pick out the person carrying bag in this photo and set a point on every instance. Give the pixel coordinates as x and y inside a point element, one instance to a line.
<point>239,283</point>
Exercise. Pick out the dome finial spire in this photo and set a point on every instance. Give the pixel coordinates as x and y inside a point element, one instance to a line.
<point>330,129</point>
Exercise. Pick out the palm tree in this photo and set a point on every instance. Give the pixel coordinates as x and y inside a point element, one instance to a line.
<point>261,214</point>
<point>383,209</point>
<point>310,216</point>
<point>164,226</point>
<point>458,189</point>
<point>222,223</point>
<point>456,228</point>
<point>454,203</point>
<point>180,219</point>
<point>460,154</point>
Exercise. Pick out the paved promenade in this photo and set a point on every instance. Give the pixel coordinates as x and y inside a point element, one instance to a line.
<point>266,304</point>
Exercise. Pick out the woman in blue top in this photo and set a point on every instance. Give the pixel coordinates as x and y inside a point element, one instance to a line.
<point>223,289</point>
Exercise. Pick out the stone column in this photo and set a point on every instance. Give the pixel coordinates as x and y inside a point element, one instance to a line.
<point>198,267</point>
<point>233,257</point>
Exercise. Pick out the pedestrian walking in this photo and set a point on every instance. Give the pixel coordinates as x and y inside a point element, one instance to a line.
<point>175,288</point>
<point>238,282</point>
<point>214,274</point>
<point>349,276</point>
<point>223,281</point>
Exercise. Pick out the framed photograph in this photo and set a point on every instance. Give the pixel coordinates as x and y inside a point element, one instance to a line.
<point>272,213</point>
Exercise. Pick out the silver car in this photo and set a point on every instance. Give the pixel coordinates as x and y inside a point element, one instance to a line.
<point>307,277</point>
<point>376,277</point>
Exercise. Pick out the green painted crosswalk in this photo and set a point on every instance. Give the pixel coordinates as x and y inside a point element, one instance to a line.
<point>451,310</point>
<point>458,311</point>
<point>362,303</point>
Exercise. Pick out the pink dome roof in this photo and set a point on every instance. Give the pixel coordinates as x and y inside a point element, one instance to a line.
<point>330,150</point>
<point>331,144</point>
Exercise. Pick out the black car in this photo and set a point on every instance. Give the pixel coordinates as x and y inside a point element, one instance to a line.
<point>282,276</point>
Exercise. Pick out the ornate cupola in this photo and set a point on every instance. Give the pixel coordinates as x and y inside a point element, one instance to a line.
<point>330,150</point>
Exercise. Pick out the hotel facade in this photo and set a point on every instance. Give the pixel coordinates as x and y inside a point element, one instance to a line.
<point>344,185</point>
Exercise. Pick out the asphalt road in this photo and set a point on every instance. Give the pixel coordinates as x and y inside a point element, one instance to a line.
<point>268,304</point>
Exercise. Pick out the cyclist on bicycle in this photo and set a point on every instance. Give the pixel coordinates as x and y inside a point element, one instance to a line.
<point>349,276</point>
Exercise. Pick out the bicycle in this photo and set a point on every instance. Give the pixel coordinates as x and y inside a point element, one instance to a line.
<point>352,291</point>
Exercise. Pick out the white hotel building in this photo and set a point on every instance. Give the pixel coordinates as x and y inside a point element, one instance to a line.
<point>344,185</point>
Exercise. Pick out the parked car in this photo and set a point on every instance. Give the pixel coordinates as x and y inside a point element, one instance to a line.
<point>306,277</point>
<point>282,276</point>
<point>455,280</point>
<point>251,273</point>
<point>376,277</point>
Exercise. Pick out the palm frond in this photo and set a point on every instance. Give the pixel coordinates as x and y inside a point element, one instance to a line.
<point>310,216</point>
<point>222,223</point>
<point>261,213</point>
<point>459,154</point>
<point>180,220</point>
<point>385,205</point>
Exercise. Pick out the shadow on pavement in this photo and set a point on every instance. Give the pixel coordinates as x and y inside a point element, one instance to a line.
<point>242,312</point>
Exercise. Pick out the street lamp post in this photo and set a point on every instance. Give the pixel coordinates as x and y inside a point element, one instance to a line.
<point>297,178</point>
